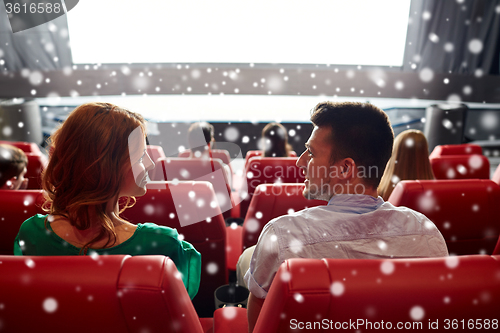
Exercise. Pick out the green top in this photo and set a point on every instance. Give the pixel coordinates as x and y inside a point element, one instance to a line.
<point>148,239</point>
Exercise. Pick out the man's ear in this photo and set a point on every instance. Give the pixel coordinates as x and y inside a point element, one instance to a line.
<point>348,168</point>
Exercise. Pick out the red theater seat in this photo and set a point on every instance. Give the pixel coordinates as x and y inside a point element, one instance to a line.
<point>188,207</point>
<point>27,147</point>
<point>270,201</point>
<point>16,206</point>
<point>414,292</point>
<point>463,149</point>
<point>473,166</point>
<point>36,165</point>
<point>256,153</point>
<point>269,170</point>
<point>155,152</point>
<point>221,154</point>
<point>465,211</point>
<point>86,294</point>
<point>199,169</point>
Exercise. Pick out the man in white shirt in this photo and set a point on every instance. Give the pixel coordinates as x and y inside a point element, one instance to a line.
<point>344,161</point>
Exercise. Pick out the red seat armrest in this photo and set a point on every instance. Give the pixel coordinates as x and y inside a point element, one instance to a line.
<point>234,245</point>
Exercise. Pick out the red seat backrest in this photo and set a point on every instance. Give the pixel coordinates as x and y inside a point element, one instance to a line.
<point>198,169</point>
<point>269,170</point>
<point>155,152</point>
<point>473,166</point>
<point>221,154</point>
<point>27,147</point>
<point>465,211</point>
<point>86,294</point>
<point>37,163</point>
<point>16,206</point>
<point>413,292</point>
<point>463,149</point>
<point>270,201</point>
<point>254,153</point>
<point>188,208</point>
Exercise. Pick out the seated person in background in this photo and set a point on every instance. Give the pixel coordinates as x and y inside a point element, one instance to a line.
<point>13,164</point>
<point>275,141</point>
<point>409,161</point>
<point>201,139</point>
<point>99,155</point>
<point>344,160</point>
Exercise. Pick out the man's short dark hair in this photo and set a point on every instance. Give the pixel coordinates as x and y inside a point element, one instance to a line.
<point>360,131</point>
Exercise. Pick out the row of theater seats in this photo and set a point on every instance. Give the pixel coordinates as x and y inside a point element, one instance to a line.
<point>448,162</point>
<point>464,211</point>
<point>464,161</point>
<point>258,170</point>
<point>145,294</point>
<point>221,154</point>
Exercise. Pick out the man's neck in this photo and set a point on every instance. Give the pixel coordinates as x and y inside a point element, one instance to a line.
<point>357,187</point>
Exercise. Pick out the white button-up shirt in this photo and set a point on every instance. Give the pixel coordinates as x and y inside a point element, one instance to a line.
<point>350,226</point>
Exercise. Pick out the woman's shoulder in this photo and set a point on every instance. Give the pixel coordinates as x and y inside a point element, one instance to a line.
<point>152,228</point>
<point>35,222</point>
<point>159,236</point>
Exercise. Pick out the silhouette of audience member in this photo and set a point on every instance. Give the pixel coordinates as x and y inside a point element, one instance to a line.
<point>201,142</point>
<point>275,141</point>
<point>13,163</point>
<point>201,139</point>
<point>409,161</point>
<point>98,156</point>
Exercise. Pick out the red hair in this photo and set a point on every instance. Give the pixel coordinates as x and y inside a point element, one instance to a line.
<point>88,164</point>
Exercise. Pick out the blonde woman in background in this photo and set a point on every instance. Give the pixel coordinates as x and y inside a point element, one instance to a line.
<point>409,161</point>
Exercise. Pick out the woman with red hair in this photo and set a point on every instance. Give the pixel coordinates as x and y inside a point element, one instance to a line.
<point>99,156</point>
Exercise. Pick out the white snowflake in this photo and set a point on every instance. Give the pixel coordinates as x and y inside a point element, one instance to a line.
<point>452,262</point>
<point>252,225</point>
<point>337,288</point>
<point>212,268</point>
<point>298,297</point>
<point>417,313</point>
<point>50,305</point>
<point>475,46</point>
<point>426,74</point>
<point>387,267</point>
<point>231,134</point>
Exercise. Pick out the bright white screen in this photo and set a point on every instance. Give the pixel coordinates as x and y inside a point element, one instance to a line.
<point>344,32</point>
